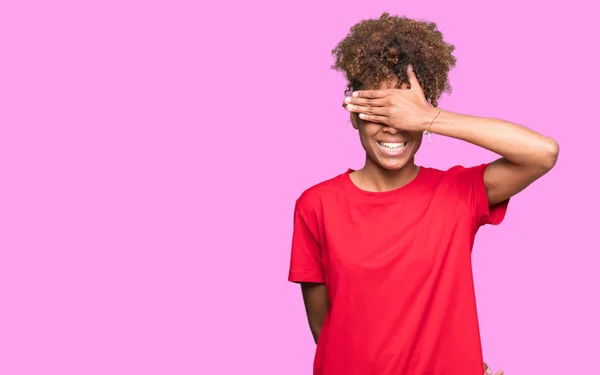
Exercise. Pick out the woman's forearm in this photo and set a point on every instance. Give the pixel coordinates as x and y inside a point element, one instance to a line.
<point>516,143</point>
<point>316,302</point>
<point>316,331</point>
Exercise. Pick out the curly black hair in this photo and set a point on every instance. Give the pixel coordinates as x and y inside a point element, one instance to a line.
<point>381,49</point>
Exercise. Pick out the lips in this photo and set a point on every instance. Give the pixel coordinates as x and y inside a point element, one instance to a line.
<point>392,148</point>
<point>392,144</point>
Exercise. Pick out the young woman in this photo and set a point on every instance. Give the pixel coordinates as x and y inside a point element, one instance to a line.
<point>383,253</point>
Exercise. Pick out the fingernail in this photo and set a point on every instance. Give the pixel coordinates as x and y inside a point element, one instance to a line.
<point>355,94</point>
<point>349,107</point>
<point>347,100</point>
<point>410,68</point>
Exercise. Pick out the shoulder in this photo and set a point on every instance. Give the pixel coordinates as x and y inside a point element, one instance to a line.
<point>312,197</point>
<point>458,172</point>
<point>457,179</point>
<point>434,177</point>
<point>461,176</point>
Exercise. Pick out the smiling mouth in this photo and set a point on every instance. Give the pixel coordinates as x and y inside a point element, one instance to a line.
<point>392,148</point>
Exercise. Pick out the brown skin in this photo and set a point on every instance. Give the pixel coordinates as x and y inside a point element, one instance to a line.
<point>375,55</point>
<point>488,371</point>
<point>316,302</point>
<point>403,115</point>
<point>381,172</point>
<point>525,154</point>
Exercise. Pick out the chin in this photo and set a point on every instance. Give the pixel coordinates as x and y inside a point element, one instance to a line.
<point>392,162</point>
<point>392,165</point>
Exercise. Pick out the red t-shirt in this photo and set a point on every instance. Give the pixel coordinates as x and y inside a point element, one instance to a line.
<point>397,266</point>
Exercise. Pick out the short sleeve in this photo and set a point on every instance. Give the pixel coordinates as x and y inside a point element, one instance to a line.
<point>470,185</point>
<point>305,263</point>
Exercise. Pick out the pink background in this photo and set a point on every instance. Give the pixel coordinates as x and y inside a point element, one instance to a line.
<point>151,153</point>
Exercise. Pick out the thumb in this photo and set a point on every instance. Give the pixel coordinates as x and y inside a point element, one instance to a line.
<point>412,79</point>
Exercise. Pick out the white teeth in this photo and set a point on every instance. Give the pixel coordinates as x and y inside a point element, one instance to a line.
<point>394,145</point>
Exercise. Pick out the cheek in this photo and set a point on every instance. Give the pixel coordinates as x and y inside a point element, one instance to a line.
<point>366,134</point>
<point>417,140</point>
<point>368,129</point>
<point>364,139</point>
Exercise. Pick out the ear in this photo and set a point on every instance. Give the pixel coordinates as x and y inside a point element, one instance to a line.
<point>354,120</point>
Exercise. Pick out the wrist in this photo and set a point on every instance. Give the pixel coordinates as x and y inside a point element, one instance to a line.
<point>433,114</point>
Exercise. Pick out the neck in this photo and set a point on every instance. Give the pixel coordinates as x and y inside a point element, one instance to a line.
<point>373,178</point>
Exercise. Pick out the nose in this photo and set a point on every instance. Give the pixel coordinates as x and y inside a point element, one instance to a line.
<point>390,130</point>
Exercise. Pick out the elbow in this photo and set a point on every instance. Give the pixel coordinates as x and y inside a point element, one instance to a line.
<point>551,151</point>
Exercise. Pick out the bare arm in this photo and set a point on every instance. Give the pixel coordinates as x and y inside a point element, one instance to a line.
<point>316,302</point>
<point>526,155</point>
